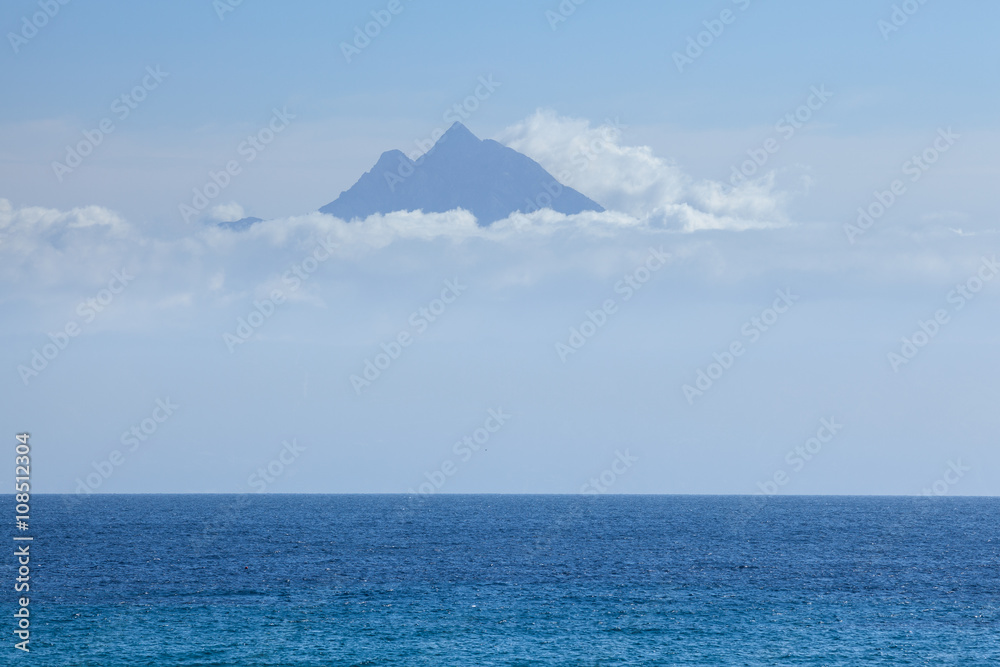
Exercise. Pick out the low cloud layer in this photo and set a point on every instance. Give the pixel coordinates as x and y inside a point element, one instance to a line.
<point>47,248</point>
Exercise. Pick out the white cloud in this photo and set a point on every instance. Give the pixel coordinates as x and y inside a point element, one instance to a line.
<point>35,220</point>
<point>230,212</point>
<point>44,245</point>
<point>76,250</point>
<point>632,180</point>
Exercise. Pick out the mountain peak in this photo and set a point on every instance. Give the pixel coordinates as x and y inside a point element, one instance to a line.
<point>457,131</point>
<point>457,138</point>
<point>389,159</point>
<point>486,178</point>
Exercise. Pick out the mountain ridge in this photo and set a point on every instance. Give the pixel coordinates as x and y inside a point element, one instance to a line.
<point>484,177</point>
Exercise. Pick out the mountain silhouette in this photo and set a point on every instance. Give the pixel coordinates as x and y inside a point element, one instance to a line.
<point>484,177</point>
<point>240,225</point>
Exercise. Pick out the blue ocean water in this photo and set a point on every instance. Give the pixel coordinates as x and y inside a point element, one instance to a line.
<point>510,580</point>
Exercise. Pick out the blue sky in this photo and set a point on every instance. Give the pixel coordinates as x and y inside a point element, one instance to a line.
<point>667,140</point>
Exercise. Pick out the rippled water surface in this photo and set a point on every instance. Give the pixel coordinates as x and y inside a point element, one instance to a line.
<point>511,580</point>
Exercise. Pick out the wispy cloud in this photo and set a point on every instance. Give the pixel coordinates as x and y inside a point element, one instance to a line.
<point>635,181</point>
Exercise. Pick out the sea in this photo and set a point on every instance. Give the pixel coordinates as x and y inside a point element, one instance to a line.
<point>260,579</point>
